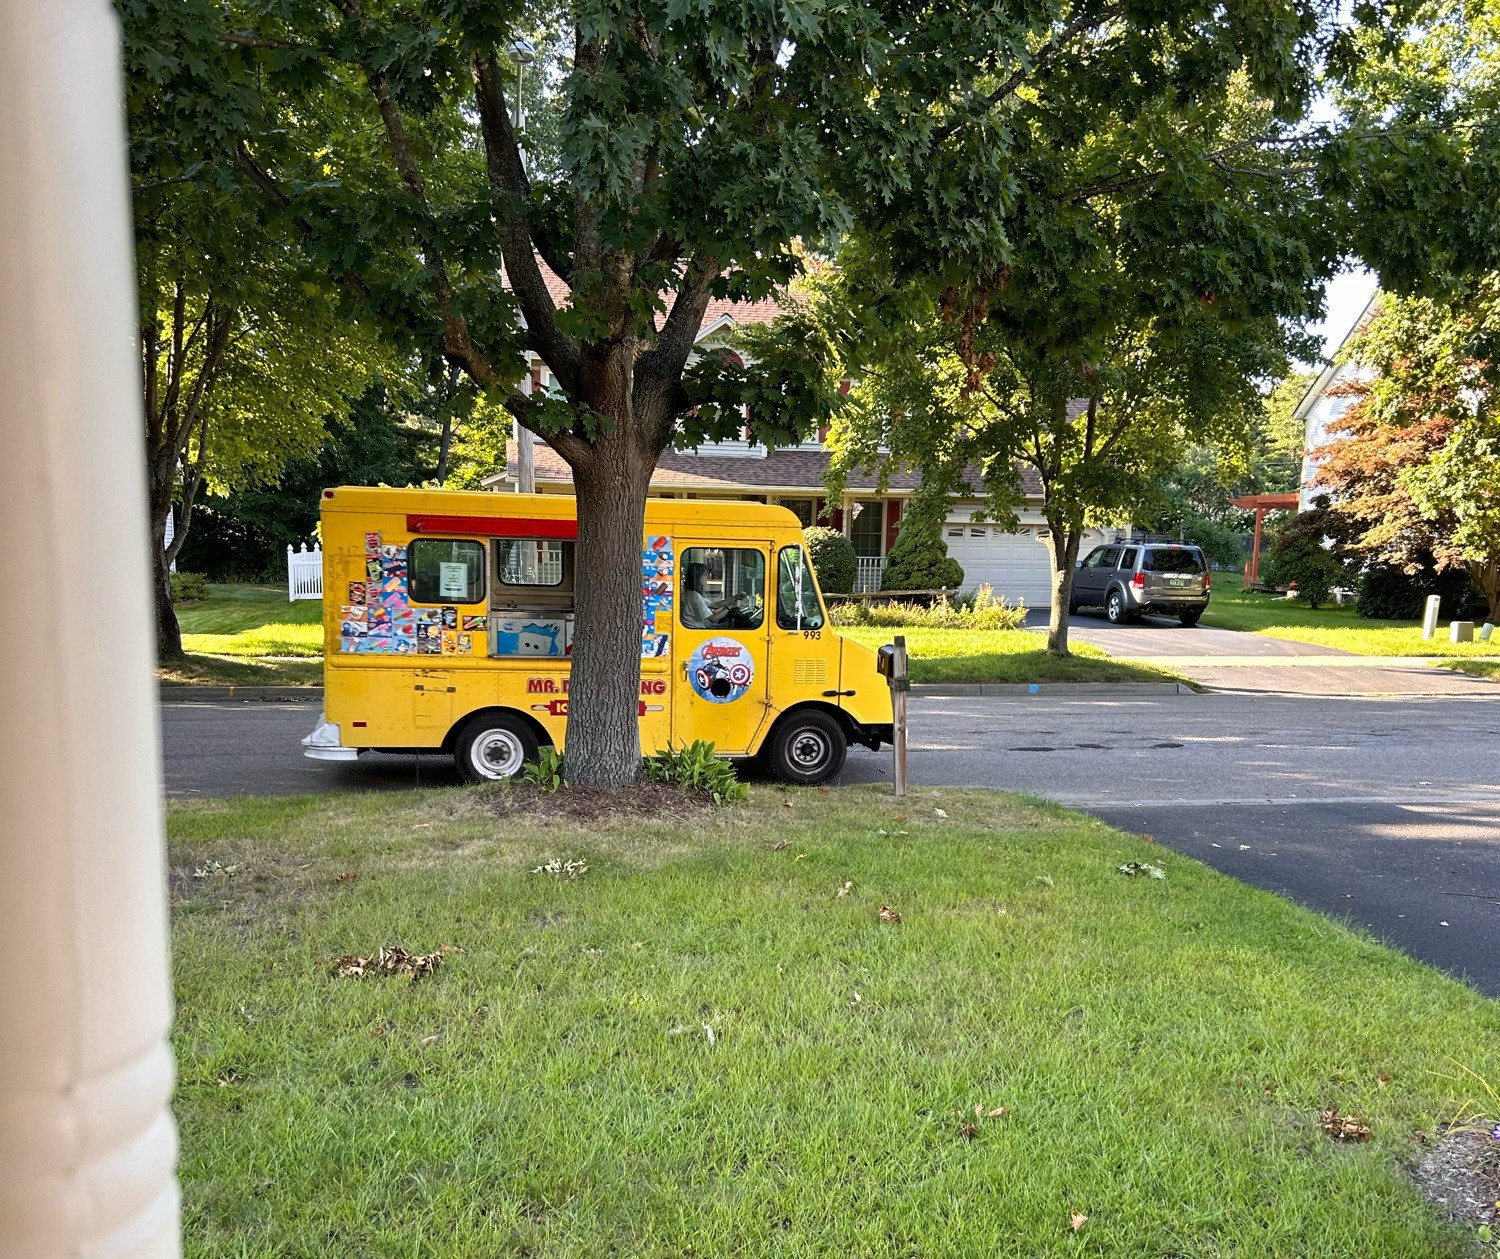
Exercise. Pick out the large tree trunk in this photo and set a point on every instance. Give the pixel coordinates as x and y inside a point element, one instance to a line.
<point>1486,579</point>
<point>1062,547</point>
<point>611,482</point>
<point>168,632</point>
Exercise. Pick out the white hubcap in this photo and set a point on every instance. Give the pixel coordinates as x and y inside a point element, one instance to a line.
<point>808,749</point>
<point>497,754</point>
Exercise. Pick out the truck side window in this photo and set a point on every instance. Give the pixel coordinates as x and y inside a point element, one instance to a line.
<point>445,571</point>
<point>529,562</point>
<point>722,588</point>
<point>797,606</point>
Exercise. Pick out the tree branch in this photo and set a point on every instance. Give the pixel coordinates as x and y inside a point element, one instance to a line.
<point>1045,53</point>
<point>507,177</point>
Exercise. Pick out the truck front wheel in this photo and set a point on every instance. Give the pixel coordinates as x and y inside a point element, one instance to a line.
<point>493,747</point>
<point>807,748</point>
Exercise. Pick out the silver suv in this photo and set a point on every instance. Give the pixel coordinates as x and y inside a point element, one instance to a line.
<point>1127,579</point>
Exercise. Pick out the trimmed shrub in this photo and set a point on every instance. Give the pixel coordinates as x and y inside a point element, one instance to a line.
<point>920,560</point>
<point>188,587</point>
<point>832,556</point>
<point>979,611</point>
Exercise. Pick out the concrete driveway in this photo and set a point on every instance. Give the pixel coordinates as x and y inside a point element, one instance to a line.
<point>1231,660</point>
<point>1382,812</point>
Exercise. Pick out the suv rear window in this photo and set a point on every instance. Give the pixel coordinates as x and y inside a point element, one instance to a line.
<point>1173,559</point>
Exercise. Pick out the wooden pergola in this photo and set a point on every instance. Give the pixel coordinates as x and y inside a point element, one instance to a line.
<point>1260,504</point>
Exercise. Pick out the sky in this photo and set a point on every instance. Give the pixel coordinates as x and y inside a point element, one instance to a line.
<point>1345,297</point>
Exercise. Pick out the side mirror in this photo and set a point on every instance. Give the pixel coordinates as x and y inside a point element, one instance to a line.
<point>1077,563</point>
<point>885,660</point>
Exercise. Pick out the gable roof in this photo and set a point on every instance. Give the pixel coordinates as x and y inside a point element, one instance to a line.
<point>800,471</point>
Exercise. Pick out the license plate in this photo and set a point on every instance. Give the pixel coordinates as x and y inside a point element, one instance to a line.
<point>1177,581</point>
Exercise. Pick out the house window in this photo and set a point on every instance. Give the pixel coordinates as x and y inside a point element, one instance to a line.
<point>867,533</point>
<point>802,508</point>
<point>446,571</point>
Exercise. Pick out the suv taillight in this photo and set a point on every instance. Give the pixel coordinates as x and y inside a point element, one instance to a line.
<point>1208,580</point>
<point>1138,581</point>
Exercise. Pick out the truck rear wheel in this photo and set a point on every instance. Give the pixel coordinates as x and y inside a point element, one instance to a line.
<point>807,748</point>
<point>493,747</point>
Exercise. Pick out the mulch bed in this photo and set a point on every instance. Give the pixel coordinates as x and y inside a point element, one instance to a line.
<point>588,804</point>
<point>1460,1175</point>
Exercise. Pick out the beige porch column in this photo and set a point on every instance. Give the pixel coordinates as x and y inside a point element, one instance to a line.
<point>87,1144</point>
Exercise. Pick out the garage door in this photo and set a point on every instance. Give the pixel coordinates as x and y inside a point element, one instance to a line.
<point>1015,564</point>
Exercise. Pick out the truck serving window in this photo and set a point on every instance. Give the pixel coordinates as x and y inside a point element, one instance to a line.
<point>723,588</point>
<point>445,571</point>
<point>528,562</point>
<point>797,605</point>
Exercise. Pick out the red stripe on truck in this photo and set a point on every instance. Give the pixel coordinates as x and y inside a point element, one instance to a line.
<point>495,526</point>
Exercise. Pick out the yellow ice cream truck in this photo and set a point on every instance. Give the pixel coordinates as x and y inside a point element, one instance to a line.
<point>448,625</point>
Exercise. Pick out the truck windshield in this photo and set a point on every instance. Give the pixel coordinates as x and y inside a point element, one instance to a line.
<point>797,606</point>
<point>1174,559</point>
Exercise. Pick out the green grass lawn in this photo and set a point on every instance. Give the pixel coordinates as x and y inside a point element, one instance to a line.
<point>958,655</point>
<point>205,670</point>
<point>1340,627</point>
<point>699,1047</point>
<point>1475,668</point>
<point>252,621</point>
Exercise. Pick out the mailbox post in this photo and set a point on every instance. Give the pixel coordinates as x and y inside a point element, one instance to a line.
<point>892,664</point>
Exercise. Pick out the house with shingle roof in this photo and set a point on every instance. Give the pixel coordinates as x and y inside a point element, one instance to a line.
<point>1014,562</point>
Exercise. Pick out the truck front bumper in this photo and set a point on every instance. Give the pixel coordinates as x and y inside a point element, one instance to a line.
<point>326,743</point>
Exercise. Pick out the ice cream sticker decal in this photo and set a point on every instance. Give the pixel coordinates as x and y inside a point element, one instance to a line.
<point>721,670</point>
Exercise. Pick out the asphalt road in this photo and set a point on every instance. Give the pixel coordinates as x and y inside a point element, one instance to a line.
<point>1382,812</point>
<point>1228,660</point>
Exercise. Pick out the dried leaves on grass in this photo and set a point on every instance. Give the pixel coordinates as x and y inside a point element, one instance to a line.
<point>1344,1127</point>
<point>392,959</point>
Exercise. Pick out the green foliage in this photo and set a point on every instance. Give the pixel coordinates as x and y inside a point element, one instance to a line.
<point>919,560</point>
<point>188,587</point>
<point>696,768</point>
<point>1389,593</point>
<point>1419,474</point>
<point>1279,440</point>
<point>546,772</point>
<point>1298,556</point>
<point>833,559</point>
<point>980,611</point>
<point>387,438</point>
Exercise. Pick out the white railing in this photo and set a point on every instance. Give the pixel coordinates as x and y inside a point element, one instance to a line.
<point>304,573</point>
<point>871,569</point>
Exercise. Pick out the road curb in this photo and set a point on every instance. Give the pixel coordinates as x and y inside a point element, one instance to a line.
<point>1088,690</point>
<point>264,693</point>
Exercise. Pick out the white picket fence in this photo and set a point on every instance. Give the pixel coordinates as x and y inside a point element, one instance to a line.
<point>304,573</point>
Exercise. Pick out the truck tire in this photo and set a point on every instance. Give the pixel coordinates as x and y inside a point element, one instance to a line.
<point>493,747</point>
<point>1189,618</point>
<point>1115,609</point>
<point>806,748</point>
